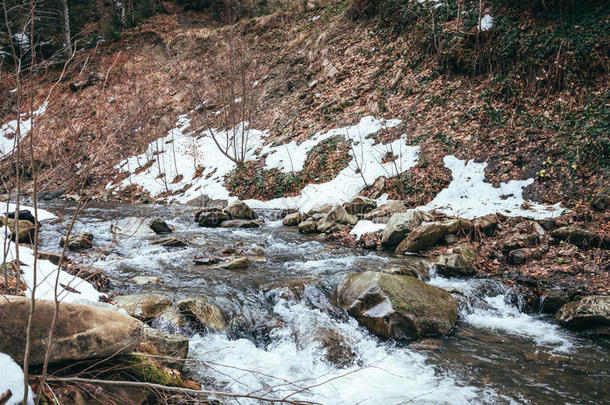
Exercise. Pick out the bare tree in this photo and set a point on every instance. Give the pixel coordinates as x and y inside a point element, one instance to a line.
<point>66,29</point>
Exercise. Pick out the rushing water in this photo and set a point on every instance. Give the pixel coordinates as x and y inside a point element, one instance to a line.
<point>275,345</point>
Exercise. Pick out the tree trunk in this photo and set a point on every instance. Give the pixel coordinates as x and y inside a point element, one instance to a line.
<point>66,29</point>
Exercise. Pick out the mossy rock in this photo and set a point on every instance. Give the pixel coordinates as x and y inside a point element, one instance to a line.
<point>145,369</point>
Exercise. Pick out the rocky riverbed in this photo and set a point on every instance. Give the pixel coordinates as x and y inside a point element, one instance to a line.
<point>292,304</point>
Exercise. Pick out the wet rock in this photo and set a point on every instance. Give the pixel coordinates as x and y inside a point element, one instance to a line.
<point>580,237</point>
<point>25,231</point>
<point>553,300</point>
<point>460,263</point>
<point>211,217</point>
<point>142,280</point>
<point>205,201</point>
<point>336,216</point>
<point>429,234</point>
<point>159,226</point>
<point>370,240</point>
<point>587,313</point>
<point>308,226</point>
<point>81,331</point>
<point>428,344</point>
<point>402,224</point>
<point>240,223</point>
<point>169,319</point>
<point>206,260</point>
<point>51,195</point>
<point>51,256</point>
<point>174,348</point>
<point>256,251</point>
<point>601,202</point>
<point>143,306</point>
<point>24,215</point>
<point>519,241</point>
<point>413,267</point>
<point>239,263</point>
<point>396,306</point>
<point>360,205</point>
<point>169,242</point>
<point>203,312</point>
<point>78,242</point>
<point>292,219</point>
<point>383,213</point>
<point>240,210</point>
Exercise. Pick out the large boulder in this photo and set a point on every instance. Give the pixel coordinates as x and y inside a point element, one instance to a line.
<point>211,217</point>
<point>401,224</point>
<point>320,209</point>
<point>383,213</point>
<point>397,306</point>
<point>587,313</point>
<point>202,312</point>
<point>240,210</point>
<point>336,216</point>
<point>22,230</point>
<point>459,263</point>
<point>429,234</point>
<point>81,331</point>
<point>360,205</point>
<point>308,226</point>
<point>143,306</point>
<point>292,219</point>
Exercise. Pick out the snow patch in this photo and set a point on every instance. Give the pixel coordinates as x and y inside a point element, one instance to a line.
<point>69,289</point>
<point>9,130</point>
<point>11,378</point>
<point>42,214</point>
<point>365,226</point>
<point>486,22</point>
<point>469,196</point>
<point>173,161</point>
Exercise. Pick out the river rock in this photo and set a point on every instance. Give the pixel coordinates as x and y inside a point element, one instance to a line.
<point>459,263</point>
<point>413,267</point>
<point>169,242</point>
<point>51,256</point>
<point>26,229</point>
<point>360,205</point>
<point>78,242</point>
<point>401,224</point>
<point>583,238</point>
<point>211,217</point>
<point>174,348</point>
<point>369,240</point>
<point>238,263</point>
<point>320,209</point>
<point>396,306</point>
<point>240,210</point>
<point>336,216</point>
<point>256,251</point>
<point>81,331</point>
<point>240,223</point>
<point>292,219</point>
<point>553,300</point>
<point>519,241</point>
<point>486,224</point>
<point>24,215</point>
<point>203,312</point>
<point>143,306</point>
<point>336,350</point>
<point>425,236</point>
<point>587,313</point>
<point>308,226</point>
<point>159,226</point>
<point>142,280</point>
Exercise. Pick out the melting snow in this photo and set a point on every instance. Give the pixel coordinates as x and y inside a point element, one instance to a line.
<point>469,196</point>
<point>11,378</point>
<point>365,226</point>
<point>9,130</point>
<point>486,22</point>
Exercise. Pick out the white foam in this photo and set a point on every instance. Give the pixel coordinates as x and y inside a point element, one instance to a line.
<point>388,374</point>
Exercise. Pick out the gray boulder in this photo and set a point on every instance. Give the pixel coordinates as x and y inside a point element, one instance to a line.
<point>143,306</point>
<point>401,224</point>
<point>292,219</point>
<point>81,331</point>
<point>587,313</point>
<point>240,210</point>
<point>78,242</point>
<point>336,216</point>
<point>159,226</point>
<point>202,312</point>
<point>360,205</point>
<point>396,306</point>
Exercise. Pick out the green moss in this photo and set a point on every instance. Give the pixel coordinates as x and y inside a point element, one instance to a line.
<point>145,369</point>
